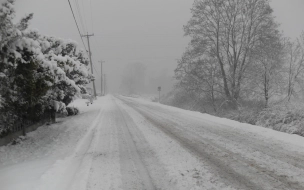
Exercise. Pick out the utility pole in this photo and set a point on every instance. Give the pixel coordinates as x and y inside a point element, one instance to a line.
<point>101,89</point>
<point>159,89</point>
<point>90,56</point>
<point>104,84</point>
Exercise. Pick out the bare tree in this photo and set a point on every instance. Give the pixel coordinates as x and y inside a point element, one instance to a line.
<point>295,64</point>
<point>267,72</point>
<point>199,75</point>
<point>229,31</point>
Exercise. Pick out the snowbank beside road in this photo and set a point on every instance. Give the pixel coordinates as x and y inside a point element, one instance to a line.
<point>82,105</point>
<point>241,155</point>
<point>242,127</point>
<point>22,165</point>
<point>113,141</point>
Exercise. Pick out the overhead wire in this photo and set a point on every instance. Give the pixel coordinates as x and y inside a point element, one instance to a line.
<point>91,15</point>
<point>82,18</point>
<point>85,23</point>
<point>77,26</point>
<point>79,15</point>
<point>91,28</point>
<point>95,70</point>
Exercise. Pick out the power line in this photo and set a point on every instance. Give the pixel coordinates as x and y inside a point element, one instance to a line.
<point>91,15</point>
<point>85,29</point>
<point>77,26</point>
<point>79,15</point>
<point>85,20</point>
<point>96,70</point>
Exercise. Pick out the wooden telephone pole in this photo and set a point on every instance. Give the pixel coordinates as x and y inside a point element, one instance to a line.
<point>105,84</point>
<point>101,82</point>
<point>90,56</point>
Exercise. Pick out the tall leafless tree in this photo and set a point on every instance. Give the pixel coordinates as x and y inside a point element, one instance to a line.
<point>267,70</point>
<point>294,64</point>
<point>228,31</point>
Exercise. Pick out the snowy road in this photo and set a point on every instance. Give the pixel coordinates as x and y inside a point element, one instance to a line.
<point>130,143</point>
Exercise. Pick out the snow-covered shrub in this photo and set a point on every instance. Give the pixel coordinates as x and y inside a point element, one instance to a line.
<point>4,132</point>
<point>154,99</point>
<point>76,111</point>
<point>286,118</point>
<point>247,112</point>
<point>59,107</point>
<point>1,102</point>
<point>72,111</point>
<point>71,68</point>
<point>85,96</point>
<point>243,115</point>
<point>36,70</point>
<point>15,52</point>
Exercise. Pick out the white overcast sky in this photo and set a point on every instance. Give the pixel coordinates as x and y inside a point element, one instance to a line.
<point>126,31</point>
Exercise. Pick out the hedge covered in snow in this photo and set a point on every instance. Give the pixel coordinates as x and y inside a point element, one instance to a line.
<point>38,73</point>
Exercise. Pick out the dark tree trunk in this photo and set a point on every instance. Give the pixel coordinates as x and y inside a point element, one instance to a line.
<point>52,116</point>
<point>23,129</point>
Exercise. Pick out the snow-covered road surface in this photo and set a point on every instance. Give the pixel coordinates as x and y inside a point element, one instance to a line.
<point>128,143</point>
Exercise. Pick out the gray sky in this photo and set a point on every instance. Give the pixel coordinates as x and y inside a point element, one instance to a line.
<point>146,31</point>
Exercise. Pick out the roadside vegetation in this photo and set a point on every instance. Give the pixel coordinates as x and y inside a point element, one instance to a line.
<point>239,65</point>
<point>39,75</point>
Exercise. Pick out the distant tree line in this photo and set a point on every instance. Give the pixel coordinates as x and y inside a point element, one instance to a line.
<point>238,53</point>
<point>38,73</point>
<point>133,78</point>
<point>139,79</point>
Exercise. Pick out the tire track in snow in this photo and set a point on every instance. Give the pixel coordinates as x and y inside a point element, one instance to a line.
<point>271,154</point>
<point>73,171</point>
<point>105,168</point>
<point>196,148</point>
<point>295,159</point>
<point>124,159</point>
<point>212,152</point>
<point>272,157</point>
<point>134,172</point>
<point>182,169</point>
<point>156,169</point>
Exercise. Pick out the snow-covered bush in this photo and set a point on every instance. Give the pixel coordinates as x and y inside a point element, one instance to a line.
<point>244,115</point>
<point>76,111</point>
<point>38,73</point>
<point>286,118</point>
<point>72,111</point>
<point>85,96</point>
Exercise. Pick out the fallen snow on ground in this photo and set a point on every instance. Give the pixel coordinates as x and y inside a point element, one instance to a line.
<point>145,97</point>
<point>24,164</point>
<point>271,158</point>
<point>131,142</point>
<point>183,171</point>
<point>82,105</point>
<point>289,139</point>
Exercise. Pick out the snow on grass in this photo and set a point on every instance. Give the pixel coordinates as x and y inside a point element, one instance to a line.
<point>287,118</point>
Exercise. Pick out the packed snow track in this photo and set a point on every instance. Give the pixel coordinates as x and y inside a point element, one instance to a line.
<point>129,143</point>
